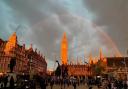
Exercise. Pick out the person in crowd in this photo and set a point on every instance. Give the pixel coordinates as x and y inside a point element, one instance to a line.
<point>5,80</point>
<point>65,82</point>
<point>109,85</point>
<point>11,82</point>
<point>125,85</point>
<point>33,84</point>
<point>112,85</point>
<point>61,83</point>
<point>51,83</point>
<point>68,82</point>
<point>90,87</point>
<point>43,82</point>
<point>2,86</point>
<point>74,84</point>
<point>0,79</point>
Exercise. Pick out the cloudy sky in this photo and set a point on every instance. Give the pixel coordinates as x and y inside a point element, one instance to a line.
<point>89,25</point>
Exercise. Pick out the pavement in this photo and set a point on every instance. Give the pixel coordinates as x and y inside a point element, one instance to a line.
<point>70,87</point>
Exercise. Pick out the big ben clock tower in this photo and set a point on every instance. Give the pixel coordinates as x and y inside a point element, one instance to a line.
<point>64,49</point>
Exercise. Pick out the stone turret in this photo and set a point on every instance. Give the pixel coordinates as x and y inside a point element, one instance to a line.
<point>101,55</point>
<point>31,47</point>
<point>90,59</point>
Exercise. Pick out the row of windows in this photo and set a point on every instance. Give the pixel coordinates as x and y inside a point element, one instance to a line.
<point>85,69</point>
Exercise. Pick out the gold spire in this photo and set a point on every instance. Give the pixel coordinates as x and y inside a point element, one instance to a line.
<point>31,47</point>
<point>95,60</point>
<point>102,57</point>
<point>90,59</point>
<point>13,38</point>
<point>11,43</point>
<point>101,54</point>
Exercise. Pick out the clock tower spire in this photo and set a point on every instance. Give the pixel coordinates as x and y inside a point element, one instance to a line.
<point>64,49</point>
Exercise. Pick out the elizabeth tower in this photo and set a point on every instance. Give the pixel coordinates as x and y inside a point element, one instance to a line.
<point>64,49</point>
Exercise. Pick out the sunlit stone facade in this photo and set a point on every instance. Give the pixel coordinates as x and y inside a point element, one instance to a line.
<point>111,66</point>
<point>78,70</point>
<point>117,66</point>
<point>37,61</point>
<point>11,49</point>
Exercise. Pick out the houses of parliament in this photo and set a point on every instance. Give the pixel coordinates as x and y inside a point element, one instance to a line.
<point>117,66</point>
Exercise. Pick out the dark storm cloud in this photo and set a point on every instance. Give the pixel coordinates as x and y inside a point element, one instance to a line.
<point>35,11</point>
<point>114,15</point>
<point>26,10</point>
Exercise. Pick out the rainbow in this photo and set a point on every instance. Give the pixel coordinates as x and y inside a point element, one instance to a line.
<point>97,28</point>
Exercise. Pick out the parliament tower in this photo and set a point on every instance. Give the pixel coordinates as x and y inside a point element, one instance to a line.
<point>64,49</point>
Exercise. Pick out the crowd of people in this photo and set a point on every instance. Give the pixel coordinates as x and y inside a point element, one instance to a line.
<point>114,84</point>
<point>103,83</point>
<point>8,82</point>
<point>51,81</point>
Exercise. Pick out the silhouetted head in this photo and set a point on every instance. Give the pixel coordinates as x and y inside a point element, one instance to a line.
<point>90,87</point>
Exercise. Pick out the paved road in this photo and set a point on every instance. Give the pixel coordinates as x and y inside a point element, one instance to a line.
<point>71,87</point>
